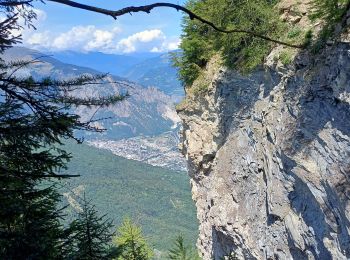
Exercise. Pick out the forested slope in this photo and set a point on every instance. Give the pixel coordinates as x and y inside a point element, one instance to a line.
<point>158,199</point>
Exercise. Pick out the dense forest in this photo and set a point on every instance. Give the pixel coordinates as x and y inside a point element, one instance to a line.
<point>126,188</point>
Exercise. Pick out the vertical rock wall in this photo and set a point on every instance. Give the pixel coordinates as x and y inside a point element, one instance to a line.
<point>269,158</point>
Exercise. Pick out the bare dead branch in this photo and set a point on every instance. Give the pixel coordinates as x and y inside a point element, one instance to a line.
<point>149,8</point>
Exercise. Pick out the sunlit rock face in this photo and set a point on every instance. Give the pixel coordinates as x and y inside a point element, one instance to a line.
<point>269,158</point>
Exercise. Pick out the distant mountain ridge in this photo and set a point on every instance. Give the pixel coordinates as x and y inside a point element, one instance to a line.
<point>137,126</point>
<point>108,63</point>
<point>159,72</point>
<point>148,111</point>
<point>147,69</point>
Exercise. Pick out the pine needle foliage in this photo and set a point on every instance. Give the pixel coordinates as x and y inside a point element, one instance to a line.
<point>30,225</point>
<point>90,234</point>
<point>241,51</point>
<point>181,251</point>
<point>34,119</point>
<point>331,13</point>
<point>131,242</point>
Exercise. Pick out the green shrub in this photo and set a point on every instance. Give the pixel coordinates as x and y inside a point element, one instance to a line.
<point>331,13</point>
<point>294,32</point>
<point>308,37</point>
<point>286,57</point>
<point>238,50</point>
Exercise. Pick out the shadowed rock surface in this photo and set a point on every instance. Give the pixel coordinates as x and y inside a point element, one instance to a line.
<point>269,159</point>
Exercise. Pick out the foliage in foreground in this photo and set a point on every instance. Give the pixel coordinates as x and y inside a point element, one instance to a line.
<point>131,243</point>
<point>34,118</point>
<point>239,50</point>
<point>89,234</point>
<point>181,251</point>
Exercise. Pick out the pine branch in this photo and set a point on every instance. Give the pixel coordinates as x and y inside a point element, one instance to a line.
<point>15,3</point>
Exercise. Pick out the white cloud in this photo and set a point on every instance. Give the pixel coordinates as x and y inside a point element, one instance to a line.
<point>173,45</point>
<point>100,40</point>
<point>76,37</point>
<point>83,38</point>
<point>40,39</point>
<point>91,38</point>
<point>133,42</point>
<point>167,45</point>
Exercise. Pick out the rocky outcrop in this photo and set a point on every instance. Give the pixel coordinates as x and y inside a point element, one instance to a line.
<point>269,159</point>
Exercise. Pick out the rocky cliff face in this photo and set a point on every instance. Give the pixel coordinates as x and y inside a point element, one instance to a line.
<point>269,159</point>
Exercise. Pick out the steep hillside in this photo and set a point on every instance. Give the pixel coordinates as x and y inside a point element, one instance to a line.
<point>158,199</point>
<point>269,161</point>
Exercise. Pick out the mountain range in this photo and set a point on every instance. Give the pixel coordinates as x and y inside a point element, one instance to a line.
<point>145,116</point>
<point>146,69</point>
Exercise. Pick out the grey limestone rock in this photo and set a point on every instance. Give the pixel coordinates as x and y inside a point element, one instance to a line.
<point>269,160</point>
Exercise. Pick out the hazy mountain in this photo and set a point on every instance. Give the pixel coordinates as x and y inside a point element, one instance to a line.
<point>144,128</point>
<point>147,69</point>
<point>108,63</point>
<point>148,111</point>
<point>145,116</point>
<point>159,72</point>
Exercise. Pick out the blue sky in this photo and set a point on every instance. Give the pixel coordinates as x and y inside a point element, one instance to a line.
<point>61,28</point>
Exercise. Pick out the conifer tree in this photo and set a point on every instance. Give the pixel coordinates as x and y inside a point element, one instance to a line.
<point>90,234</point>
<point>181,251</point>
<point>34,118</point>
<point>131,243</point>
